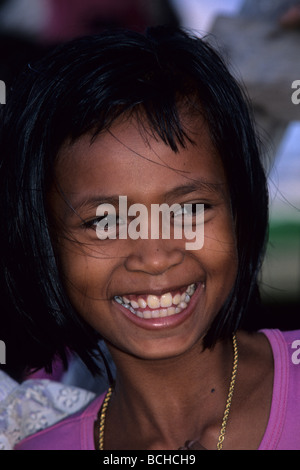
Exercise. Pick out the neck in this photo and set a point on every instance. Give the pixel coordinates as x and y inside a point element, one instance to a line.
<point>179,397</point>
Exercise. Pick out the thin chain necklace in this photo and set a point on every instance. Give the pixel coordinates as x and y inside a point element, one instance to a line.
<point>230,394</point>
<point>226,412</point>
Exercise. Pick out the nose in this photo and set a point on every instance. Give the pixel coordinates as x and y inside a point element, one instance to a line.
<point>154,256</point>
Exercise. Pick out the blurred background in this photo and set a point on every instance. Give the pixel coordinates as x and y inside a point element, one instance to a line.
<point>260,39</point>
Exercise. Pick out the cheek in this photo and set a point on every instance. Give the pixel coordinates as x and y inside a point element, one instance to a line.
<point>220,251</point>
<point>84,271</point>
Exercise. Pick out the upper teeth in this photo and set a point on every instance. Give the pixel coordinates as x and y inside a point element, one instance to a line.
<point>164,305</point>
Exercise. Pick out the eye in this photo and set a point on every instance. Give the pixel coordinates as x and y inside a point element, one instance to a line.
<point>191,214</point>
<point>191,209</point>
<point>107,222</point>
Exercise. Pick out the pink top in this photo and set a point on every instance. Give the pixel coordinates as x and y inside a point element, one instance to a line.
<point>282,433</point>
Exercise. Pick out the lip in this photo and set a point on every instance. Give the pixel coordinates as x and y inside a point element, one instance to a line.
<point>158,292</point>
<point>163,322</point>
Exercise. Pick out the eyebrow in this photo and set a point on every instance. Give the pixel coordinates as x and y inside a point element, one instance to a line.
<point>91,202</point>
<point>197,185</point>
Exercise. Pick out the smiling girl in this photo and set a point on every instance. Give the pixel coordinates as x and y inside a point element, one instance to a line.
<point>159,119</point>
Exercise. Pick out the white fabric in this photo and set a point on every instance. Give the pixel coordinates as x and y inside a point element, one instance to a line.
<point>34,405</point>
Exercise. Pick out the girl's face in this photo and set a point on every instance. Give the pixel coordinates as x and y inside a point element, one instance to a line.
<point>152,298</point>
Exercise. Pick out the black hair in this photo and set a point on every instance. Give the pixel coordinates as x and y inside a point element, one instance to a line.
<point>84,86</point>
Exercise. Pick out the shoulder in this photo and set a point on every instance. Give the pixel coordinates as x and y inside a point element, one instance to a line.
<point>272,344</point>
<point>272,351</point>
<point>256,369</point>
<point>283,431</point>
<point>256,352</point>
<point>285,347</point>
<point>286,352</point>
<point>269,387</point>
<point>76,432</point>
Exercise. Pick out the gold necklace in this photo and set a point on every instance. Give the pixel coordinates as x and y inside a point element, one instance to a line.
<point>103,416</point>
<point>226,412</point>
<point>230,394</point>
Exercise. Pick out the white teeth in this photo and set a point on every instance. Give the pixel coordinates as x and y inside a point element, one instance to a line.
<point>163,312</point>
<point>171,311</point>
<point>153,301</point>
<point>161,306</point>
<point>176,299</point>
<point>166,300</point>
<point>147,314</point>
<point>155,313</point>
<point>134,304</point>
<point>142,303</point>
<point>191,289</point>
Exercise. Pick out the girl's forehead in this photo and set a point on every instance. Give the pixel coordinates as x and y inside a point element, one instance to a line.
<point>129,155</point>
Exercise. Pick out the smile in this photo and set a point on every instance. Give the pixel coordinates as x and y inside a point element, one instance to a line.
<point>154,306</point>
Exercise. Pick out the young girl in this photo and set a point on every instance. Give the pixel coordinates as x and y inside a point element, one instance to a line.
<point>156,119</point>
